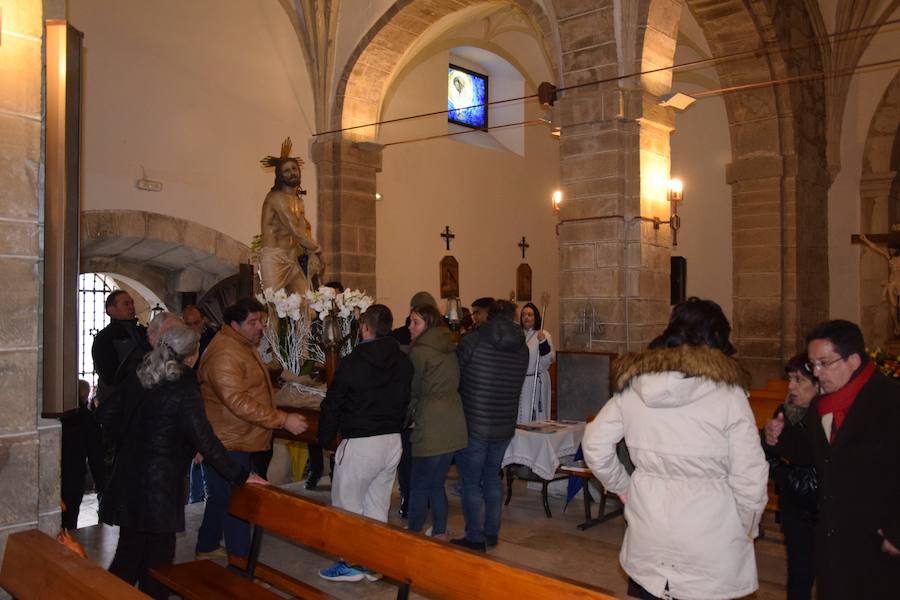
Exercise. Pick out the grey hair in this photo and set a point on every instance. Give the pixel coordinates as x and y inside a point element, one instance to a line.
<point>160,318</point>
<point>165,362</point>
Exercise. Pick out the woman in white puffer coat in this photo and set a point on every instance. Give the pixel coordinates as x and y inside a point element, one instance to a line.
<point>694,500</point>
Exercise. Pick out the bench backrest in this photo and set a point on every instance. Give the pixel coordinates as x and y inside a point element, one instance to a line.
<point>37,566</point>
<point>432,568</point>
<point>764,401</point>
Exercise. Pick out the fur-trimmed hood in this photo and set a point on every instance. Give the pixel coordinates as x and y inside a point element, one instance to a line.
<point>677,376</point>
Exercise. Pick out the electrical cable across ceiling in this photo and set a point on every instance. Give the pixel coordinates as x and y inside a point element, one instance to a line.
<point>840,36</point>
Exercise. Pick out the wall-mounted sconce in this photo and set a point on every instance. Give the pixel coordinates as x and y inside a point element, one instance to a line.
<point>674,195</point>
<point>377,196</point>
<point>556,200</point>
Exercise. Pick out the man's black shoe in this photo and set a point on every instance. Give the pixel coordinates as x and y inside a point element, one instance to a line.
<point>312,482</point>
<point>490,541</point>
<point>477,546</point>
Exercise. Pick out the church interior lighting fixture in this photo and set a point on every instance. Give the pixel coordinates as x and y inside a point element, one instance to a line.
<point>556,200</point>
<point>674,195</point>
<point>677,100</point>
<point>454,310</point>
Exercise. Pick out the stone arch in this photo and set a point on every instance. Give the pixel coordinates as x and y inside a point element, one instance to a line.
<point>347,164</point>
<point>167,254</point>
<point>879,195</point>
<point>778,172</point>
<point>370,67</point>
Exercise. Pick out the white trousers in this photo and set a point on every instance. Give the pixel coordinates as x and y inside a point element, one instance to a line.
<point>364,471</point>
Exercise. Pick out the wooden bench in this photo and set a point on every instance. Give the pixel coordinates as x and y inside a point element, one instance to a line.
<point>36,566</point>
<point>430,567</point>
<point>602,516</point>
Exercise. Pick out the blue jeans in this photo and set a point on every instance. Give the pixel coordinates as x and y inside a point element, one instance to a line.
<point>427,487</point>
<point>216,520</point>
<point>479,468</point>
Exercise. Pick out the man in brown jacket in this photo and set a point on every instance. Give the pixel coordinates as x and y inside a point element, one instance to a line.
<point>237,393</point>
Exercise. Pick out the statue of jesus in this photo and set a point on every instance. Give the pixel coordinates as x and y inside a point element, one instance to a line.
<point>892,284</point>
<point>287,241</point>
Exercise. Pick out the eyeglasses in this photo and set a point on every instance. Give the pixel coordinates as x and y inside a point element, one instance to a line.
<point>821,365</point>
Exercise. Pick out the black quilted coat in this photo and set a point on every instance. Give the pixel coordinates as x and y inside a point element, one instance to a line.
<point>163,426</point>
<point>493,361</point>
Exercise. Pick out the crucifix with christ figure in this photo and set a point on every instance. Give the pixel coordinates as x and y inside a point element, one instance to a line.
<point>892,255</point>
<point>447,236</point>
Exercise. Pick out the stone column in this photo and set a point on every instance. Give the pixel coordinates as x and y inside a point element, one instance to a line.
<point>346,181</point>
<point>759,284</point>
<point>614,155</point>
<point>29,445</point>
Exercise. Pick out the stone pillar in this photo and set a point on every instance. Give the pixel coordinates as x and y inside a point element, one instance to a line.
<point>759,284</point>
<point>346,181</point>
<point>29,445</point>
<point>614,156</point>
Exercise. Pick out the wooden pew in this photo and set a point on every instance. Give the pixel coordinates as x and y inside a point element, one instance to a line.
<point>429,567</point>
<point>36,566</point>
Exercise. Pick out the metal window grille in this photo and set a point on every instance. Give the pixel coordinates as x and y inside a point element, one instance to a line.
<point>93,288</point>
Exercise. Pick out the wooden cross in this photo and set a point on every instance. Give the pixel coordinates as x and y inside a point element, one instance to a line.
<point>447,236</point>
<point>524,246</point>
<point>891,240</point>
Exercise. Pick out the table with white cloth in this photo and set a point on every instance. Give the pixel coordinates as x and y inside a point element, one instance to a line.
<point>536,452</point>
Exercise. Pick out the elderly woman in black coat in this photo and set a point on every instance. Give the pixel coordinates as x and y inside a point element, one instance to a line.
<point>797,484</point>
<point>161,415</point>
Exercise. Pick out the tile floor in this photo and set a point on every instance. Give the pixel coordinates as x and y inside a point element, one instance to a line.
<point>527,538</point>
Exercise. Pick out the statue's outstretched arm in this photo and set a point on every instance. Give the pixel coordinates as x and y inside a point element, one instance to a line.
<point>873,247</point>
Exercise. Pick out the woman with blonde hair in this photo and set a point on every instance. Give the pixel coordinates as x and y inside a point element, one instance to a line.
<point>436,413</point>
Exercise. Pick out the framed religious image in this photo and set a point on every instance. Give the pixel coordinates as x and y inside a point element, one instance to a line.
<point>523,283</point>
<point>467,96</point>
<point>449,277</point>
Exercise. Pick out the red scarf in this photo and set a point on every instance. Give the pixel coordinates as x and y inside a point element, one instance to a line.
<point>839,402</point>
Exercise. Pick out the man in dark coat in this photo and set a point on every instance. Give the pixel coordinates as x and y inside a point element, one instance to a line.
<point>120,346</point>
<point>366,404</point>
<point>493,360</point>
<point>852,434</point>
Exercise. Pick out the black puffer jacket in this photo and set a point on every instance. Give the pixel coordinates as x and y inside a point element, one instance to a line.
<point>164,426</point>
<point>370,393</point>
<point>493,361</point>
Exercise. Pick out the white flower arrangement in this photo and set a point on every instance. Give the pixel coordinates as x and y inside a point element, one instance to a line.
<point>346,307</point>
<point>289,336</point>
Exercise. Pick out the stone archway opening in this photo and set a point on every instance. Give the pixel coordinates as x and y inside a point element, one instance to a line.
<point>777,173</point>
<point>168,255</point>
<point>347,163</point>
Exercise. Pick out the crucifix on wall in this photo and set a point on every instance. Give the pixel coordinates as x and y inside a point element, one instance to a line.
<point>523,275</point>
<point>449,269</point>
<point>891,254</point>
<point>447,235</point>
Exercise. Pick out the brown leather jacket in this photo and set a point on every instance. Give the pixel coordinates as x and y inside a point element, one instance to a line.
<point>237,393</point>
